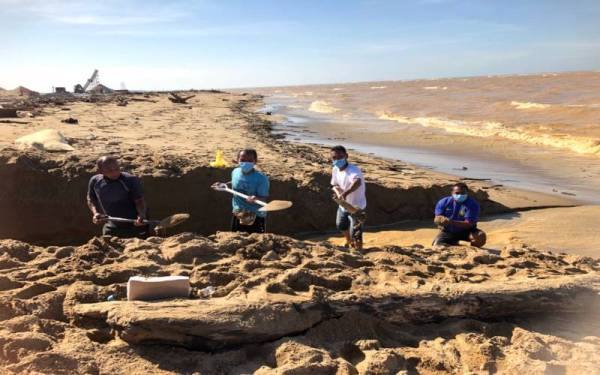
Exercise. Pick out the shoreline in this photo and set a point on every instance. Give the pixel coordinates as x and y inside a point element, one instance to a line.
<point>382,138</point>
<point>278,304</point>
<point>170,147</point>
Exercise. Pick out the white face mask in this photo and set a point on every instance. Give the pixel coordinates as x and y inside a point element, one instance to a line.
<point>339,163</point>
<point>460,198</point>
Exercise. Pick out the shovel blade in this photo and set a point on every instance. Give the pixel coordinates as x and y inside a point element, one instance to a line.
<point>276,206</point>
<point>171,221</point>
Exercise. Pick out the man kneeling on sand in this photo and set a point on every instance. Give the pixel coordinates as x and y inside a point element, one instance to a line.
<point>117,194</point>
<point>457,216</point>
<point>350,193</point>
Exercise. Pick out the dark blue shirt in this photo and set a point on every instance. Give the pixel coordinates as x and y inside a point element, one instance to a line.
<point>116,197</point>
<point>466,211</point>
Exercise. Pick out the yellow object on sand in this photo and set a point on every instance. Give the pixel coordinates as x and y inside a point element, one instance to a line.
<point>219,161</point>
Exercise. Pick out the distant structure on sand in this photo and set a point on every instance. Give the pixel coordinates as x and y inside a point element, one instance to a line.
<point>92,85</point>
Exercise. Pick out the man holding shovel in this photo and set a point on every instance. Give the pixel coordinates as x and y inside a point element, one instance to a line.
<point>112,193</point>
<point>254,186</point>
<point>349,192</point>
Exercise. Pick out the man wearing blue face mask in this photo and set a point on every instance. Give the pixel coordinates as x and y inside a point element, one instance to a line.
<point>245,179</point>
<point>348,185</point>
<point>457,217</point>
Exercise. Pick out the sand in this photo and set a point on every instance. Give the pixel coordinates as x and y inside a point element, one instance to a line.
<point>171,147</point>
<point>569,230</point>
<point>281,306</point>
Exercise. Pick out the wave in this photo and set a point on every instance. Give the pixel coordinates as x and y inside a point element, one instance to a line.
<point>486,129</point>
<point>529,105</point>
<point>435,88</point>
<point>322,106</point>
<point>378,87</point>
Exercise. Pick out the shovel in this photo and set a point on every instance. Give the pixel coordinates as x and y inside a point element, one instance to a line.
<point>266,207</point>
<point>167,222</point>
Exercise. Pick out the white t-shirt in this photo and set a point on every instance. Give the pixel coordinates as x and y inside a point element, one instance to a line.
<point>345,178</point>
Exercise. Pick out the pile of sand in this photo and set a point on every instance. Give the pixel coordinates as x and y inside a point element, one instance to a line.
<point>47,139</point>
<point>283,306</point>
<point>20,91</point>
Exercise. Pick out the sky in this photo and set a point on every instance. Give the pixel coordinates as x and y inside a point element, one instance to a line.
<point>161,45</point>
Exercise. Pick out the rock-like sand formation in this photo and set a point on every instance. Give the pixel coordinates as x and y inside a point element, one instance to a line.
<point>284,306</point>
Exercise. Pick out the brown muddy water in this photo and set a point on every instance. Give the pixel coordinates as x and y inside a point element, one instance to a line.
<point>538,132</point>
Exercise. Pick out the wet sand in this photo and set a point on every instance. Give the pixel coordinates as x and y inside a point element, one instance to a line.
<point>571,230</point>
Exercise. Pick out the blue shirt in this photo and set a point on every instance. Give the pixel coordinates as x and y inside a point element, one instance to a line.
<point>116,197</point>
<point>466,211</point>
<point>254,183</point>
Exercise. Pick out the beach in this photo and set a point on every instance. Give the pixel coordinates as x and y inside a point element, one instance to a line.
<point>536,132</point>
<point>171,147</point>
<point>290,301</point>
<point>532,132</point>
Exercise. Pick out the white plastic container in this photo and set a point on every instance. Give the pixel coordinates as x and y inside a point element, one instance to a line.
<point>162,287</point>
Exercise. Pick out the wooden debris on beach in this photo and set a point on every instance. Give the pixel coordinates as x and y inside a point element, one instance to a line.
<point>70,120</point>
<point>122,101</point>
<point>142,100</point>
<point>175,98</point>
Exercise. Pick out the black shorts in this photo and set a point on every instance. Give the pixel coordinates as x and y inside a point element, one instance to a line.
<point>259,225</point>
<point>452,239</point>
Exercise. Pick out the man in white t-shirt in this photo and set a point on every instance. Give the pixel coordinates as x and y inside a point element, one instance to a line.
<point>349,186</point>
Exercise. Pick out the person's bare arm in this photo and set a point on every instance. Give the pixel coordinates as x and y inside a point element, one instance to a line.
<point>98,217</point>
<point>140,206</point>
<point>441,220</point>
<point>355,185</point>
<point>92,207</point>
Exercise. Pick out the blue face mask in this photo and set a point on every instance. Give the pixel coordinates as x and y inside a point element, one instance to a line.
<point>460,198</point>
<point>246,166</point>
<point>339,163</point>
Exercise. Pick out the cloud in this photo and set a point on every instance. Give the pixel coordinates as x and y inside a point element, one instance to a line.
<point>249,29</point>
<point>592,45</point>
<point>100,13</point>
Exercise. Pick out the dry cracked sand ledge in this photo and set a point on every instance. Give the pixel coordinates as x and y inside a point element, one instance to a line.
<point>281,306</point>
<point>284,306</point>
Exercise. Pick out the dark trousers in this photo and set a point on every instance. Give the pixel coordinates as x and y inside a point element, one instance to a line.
<point>126,231</point>
<point>259,225</point>
<point>452,238</point>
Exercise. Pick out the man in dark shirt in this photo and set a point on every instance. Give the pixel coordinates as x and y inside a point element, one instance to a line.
<point>457,217</point>
<point>118,194</point>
